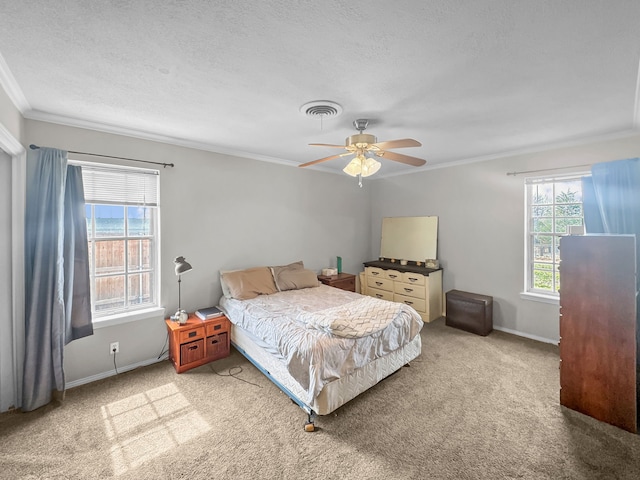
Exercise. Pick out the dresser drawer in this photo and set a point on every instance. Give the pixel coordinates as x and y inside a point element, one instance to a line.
<point>217,345</point>
<point>192,334</point>
<point>394,275</point>
<point>409,290</point>
<point>215,327</point>
<point>382,294</point>
<point>413,278</point>
<point>380,283</point>
<point>418,303</point>
<point>191,352</point>
<point>374,272</point>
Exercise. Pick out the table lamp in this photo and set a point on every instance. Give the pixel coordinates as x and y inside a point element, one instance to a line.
<point>182,266</point>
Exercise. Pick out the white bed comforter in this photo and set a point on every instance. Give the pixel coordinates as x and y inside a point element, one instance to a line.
<point>296,326</point>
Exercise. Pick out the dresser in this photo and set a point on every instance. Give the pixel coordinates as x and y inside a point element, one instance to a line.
<point>599,327</point>
<point>413,285</point>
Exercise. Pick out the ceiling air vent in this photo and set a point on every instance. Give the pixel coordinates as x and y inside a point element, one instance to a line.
<point>321,108</point>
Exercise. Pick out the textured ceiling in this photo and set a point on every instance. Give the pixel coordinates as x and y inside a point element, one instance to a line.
<point>468,79</point>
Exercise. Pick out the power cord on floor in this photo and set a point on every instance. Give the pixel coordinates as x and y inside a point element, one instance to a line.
<point>234,375</point>
<point>164,349</point>
<point>114,361</point>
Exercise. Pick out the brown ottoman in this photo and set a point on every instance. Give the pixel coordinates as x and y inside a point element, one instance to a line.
<point>470,312</point>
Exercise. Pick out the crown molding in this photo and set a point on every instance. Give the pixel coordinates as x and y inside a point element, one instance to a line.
<point>8,142</point>
<point>145,135</point>
<point>14,92</point>
<point>524,151</point>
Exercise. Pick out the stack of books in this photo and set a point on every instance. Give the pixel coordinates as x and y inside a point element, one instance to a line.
<point>209,312</point>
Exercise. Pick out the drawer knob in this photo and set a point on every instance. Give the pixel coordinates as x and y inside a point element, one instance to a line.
<point>412,279</point>
<point>378,295</point>
<point>214,342</point>
<point>393,276</point>
<point>375,273</point>
<point>408,302</point>
<point>378,283</point>
<point>217,327</point>
<point>192,334</point>
<point>408,289</point>
<point>193,347</point>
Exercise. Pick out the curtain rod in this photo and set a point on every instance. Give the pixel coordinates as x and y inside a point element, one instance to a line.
<point>547,169</point>
<point>165,165</point>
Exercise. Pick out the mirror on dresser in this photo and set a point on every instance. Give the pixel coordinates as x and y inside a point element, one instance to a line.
<point>409,238</point>
<point>407,270</point>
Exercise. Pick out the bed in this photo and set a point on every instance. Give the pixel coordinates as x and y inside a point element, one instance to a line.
<point>321,345</point>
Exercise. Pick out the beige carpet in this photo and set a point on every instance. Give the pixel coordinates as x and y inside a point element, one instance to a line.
<point>470,407</point>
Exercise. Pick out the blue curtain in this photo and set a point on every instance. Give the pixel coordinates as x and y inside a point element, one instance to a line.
<point>612,199</point>
<point>617,190</point>
<point>591,211</point>
<point>57,303</point>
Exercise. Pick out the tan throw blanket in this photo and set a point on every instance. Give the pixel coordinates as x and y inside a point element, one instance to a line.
<point>359,318</point>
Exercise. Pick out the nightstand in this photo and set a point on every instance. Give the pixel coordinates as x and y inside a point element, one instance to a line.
<point>343,281</point>
<point>198,341</point>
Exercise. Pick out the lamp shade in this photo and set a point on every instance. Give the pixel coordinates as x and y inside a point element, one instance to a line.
<point>353,168</point>
<point>182,266</point>
<point>370,166</point>
<point>362,165</point>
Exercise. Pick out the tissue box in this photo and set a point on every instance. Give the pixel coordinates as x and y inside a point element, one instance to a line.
<point>329,271</point>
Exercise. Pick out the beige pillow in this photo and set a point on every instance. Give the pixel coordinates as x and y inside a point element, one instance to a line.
<point>278,271</point>
<point>294,278</point>
<point>249,283</point>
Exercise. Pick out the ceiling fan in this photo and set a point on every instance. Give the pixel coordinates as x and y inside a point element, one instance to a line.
<point>365,147</point>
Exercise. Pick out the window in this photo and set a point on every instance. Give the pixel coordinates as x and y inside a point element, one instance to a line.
<point>553,205</point>
<point>122,229</point>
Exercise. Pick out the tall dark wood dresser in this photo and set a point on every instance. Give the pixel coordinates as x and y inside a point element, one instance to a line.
<point>599,328</point>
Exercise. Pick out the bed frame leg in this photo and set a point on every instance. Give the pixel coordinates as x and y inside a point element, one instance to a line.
<point>309,426</point>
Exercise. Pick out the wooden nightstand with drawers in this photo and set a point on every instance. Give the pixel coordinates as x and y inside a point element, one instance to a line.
<point>198,341</point>
<point>343,281</point>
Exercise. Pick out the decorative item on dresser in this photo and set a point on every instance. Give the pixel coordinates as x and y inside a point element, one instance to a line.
<point>599,327</point>
<point>344,281</point>
<point>197,342</point>
<point>411,284</point>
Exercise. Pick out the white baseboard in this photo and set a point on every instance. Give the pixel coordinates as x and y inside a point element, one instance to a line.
<point>111,373</point>
<point>526,335</point>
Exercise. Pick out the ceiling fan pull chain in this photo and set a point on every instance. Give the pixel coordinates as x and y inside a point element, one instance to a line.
<point>360,180</point>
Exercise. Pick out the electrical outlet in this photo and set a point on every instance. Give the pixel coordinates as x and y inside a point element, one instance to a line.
<point>114,348</point>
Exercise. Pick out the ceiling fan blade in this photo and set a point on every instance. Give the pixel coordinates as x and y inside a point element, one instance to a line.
<point>405,142</point>
<point>331,157</point>
<point>326,145</point>
<point>398,157</point>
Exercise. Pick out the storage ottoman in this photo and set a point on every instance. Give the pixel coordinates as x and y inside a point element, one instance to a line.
<point>470,312</point>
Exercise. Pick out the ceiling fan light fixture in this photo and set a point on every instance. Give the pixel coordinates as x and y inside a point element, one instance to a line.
<point>354,167</point>
<point>370,166</point>
<point>361,165</point>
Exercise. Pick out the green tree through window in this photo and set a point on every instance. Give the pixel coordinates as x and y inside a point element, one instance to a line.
<point>553,205</point>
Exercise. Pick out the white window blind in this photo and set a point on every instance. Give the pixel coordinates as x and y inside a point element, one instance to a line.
<point>120,185</point>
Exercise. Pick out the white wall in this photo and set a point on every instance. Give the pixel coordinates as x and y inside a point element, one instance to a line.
<point>220,212</point>
<point>481,224</point>
<point>11,271</point>
<point>6,300</point>
<point>224,212</point>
